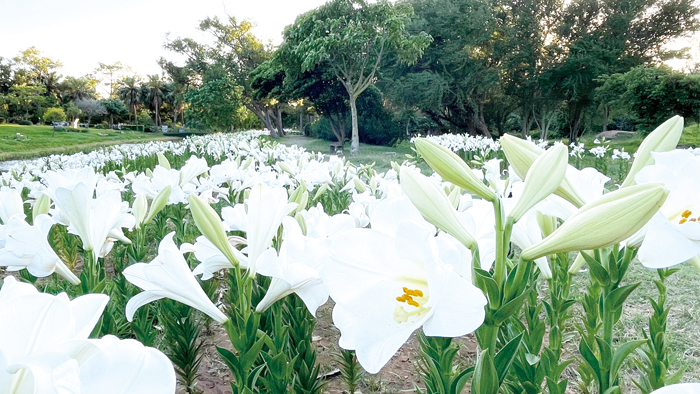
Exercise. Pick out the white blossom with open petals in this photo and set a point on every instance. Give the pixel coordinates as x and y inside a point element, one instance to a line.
<point>168,276</point>
<point>389,281</point>
<point>28,247</point>
<point>672,235</point>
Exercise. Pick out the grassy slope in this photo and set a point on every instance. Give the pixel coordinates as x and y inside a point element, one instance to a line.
<point>39,140</point>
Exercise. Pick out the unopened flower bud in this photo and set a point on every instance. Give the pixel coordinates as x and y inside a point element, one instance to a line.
<point>543,177</point>
<point>209,223</point>
<point>452,168</point>
<point>434,205</point>
<point>664,138</point>
<point>140,208</point>
<point>608,220</point>
<point>159,202</point>
<point>162,161</point>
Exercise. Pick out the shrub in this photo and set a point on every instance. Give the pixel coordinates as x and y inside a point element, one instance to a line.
<point>25,123</point>
<point>54,115</point>
<point>2,120</point>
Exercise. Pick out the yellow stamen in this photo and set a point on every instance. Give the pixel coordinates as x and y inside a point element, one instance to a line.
<point>692,220</point>
<point>683,221</point>
<point>686,214</point>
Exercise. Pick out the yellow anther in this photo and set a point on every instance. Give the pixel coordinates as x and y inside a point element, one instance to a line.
<point>693,220</point>
<point>413,293</point>
<point>683,221</point>
<point>412,303</point>
<point>686,214</point>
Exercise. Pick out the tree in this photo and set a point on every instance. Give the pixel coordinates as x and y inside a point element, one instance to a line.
<point>217,103</point>
<point>76,88</point>
<point>351,37</point>
<point>234,55</point>
<point>153,93</point>
<point>23,98</point>
<point>111,72</point>
<point>604,37</point>
<point>54,115</point>
<point>453,81</point>
<point>129,93</point>
<point>114,107</point>
<point>90,108</point>
<point>7,78</point>
<point>34,69</point>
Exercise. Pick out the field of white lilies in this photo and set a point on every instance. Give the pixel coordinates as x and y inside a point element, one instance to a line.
<point>117,264</point>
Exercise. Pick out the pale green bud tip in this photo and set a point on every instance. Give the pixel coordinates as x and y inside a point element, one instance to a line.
<point>41,205</point>
<point>159,202</point>
<point>608,220</point>
<point>434,205</point>
<point>452,168</point>
<point>543,178</point>
<point>209,223</point>
<point>663,139</point>
<point>162,161</point>
<point>140,209</point>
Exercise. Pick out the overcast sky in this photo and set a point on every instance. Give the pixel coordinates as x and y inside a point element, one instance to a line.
<point>81,33</point>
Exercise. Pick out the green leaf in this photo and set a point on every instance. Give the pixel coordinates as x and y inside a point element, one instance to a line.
<point>590,359</point>
<point>505,357</point>
<point>621,354</point>
<point>485,376</point>
<point>617,297</point>
<point>597,271</point>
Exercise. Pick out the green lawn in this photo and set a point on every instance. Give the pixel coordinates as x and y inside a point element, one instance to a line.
<point>41,141</point>
<point>382,156</point>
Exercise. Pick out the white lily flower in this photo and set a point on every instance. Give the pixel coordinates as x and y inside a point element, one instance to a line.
<point>211,258</point>
<point>266,208</point>
<point>10,204</point>
<point>388,285</point>
<point>673,235</point>
<point>168,276</point>
<point>527,232</point>
<point>44,348</point>
<point>235,218</point>
<point>92,219</point>
<point>28,247</point>
<point>679,388</point>
<point>297,268</point>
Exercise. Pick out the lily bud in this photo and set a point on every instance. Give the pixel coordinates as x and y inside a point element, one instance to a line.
<point>521,154</point>
<point>162,161</point>
<point>159,202</point>
<point>337,168</point>
<point>149,173</point>
<point>247,163</point>
<point>41,206</point>
<point>664,138</point>
<point>140,209</point>
<point>396,167</point>
<point>359,185</point>
<point>579,262</point>
<point>321,191</point>
<point>434,205</point>
<point>608,220</point>
<point>546,223</point>
<point>209,223</point>
<point>373,185</point>
<point>302,222</point>
<point>454,197</point>
<point>452,168</point>
<point>285,168</point>
<point>543,177</point>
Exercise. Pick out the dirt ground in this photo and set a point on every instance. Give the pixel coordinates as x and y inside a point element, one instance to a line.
<point>399,375</point>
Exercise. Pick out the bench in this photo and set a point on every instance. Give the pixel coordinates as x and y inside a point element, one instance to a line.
<point>337,147</point>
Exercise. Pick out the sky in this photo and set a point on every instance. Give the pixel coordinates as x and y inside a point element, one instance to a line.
<point>82,33</point>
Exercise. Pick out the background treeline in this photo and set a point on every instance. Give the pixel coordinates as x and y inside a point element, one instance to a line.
<point>479,66</point>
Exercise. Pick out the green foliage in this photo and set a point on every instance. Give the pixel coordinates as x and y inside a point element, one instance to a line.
<point>218,103</point>
<point>182,342</point>
<point>25,123</point>
<point>54,115</point>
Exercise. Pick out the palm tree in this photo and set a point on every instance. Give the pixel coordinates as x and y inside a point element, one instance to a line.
<point>129,93</point>
<point>155,93</point>
<point>73,89</point>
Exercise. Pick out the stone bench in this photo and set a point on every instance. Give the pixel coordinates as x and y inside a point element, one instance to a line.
<point>336,147</point>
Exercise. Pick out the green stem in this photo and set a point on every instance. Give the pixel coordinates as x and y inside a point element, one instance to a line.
<point>500,263</point>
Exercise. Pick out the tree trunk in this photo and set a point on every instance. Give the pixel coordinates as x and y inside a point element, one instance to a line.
<point>262,115</point>
<point>278,119</point>
<point>355,144</point>
<point>301,120</point>
<point>606,116</point>
<point>481,123</point>
<point>525,124</point>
